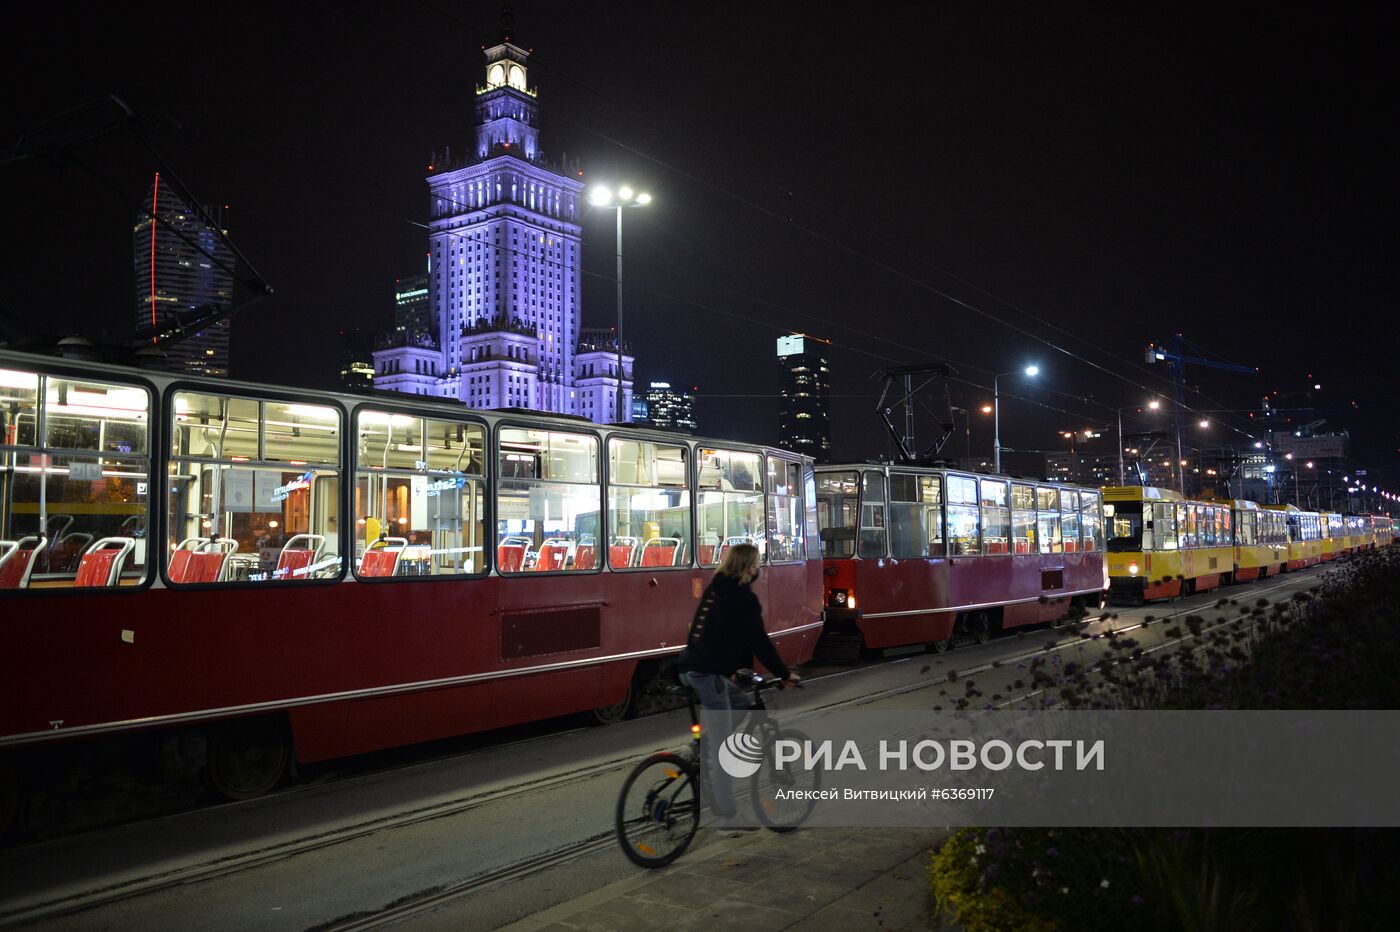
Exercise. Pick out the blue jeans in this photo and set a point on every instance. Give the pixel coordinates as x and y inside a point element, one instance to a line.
<point>717,693</point>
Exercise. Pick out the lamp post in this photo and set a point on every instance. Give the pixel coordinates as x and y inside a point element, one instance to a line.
<point>624,197</point>
<point>1031,372</point>
<point>1122,475</point>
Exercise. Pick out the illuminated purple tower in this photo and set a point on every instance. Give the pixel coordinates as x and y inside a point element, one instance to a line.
<point>504,247</point>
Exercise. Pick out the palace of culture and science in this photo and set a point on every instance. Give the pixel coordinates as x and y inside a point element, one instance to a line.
<point>503,275</point>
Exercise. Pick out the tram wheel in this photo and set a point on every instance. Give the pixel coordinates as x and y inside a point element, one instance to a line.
<point>248,757</point>
<point>618,711</point>
<point>979,628</point>
<point>941,647</point>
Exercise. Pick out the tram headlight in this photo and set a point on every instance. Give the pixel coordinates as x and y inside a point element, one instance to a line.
<point>1132,569</point>
<point>842,598</point>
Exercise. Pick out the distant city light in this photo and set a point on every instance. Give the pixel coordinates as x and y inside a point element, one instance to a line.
<point>1032,371</point>
<point>986,409</point>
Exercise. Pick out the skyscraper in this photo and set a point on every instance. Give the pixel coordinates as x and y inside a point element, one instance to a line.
<point>183,266</point>
<point>504,282</point>
<point>670,408</point>
<point>803,420</point>
<point>413,308</point>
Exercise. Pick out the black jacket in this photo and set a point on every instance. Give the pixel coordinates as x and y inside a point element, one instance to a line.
<point>728,632</point>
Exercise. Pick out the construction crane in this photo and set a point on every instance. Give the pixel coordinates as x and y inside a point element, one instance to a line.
<point>1177,353</point>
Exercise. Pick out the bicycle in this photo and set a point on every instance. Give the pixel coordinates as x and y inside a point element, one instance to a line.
<point>658,810</point>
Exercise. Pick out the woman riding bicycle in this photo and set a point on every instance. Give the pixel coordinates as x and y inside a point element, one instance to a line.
<point>725,636</point>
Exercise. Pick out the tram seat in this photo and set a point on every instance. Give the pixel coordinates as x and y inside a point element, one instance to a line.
<point>17,561</point>
<point>1071,546</point>
<point>510,554</point>
<point>707,554</point>
<point>936,548</point>
<point>200,559</point>
<point>293,562</point>
<point>996,546</point>
<point>383,560</point>
<point>1023,546</point>
<point>623,551</point>
<point>730,542</point>
<point>661,551</point>
<point>1089,544</point>
<point>101,564</point>
<point>553,556</point>
<point>586,557</point>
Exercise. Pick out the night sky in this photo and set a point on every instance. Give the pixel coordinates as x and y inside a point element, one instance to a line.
<point>1093,177</point>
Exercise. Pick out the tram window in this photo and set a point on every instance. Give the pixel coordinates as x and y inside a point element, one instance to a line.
<point>1069,520</point>
<point>1186,526</point>
<point>1246,532</point>
<point>77,504</point>
<point>648,502</point>
<point>19,407</point>
<point>1023,518</point>
<point>1205,525</point>
<point>916,516</point>
<point>963,530</point>
<point>871,545</point>
<point>730,503</point>
<point>1164,527</point>
<point>254,491</point>
<point>1126,527</point>
<point>809,512</point>
<point>1223,534</point>
<point>420,493</point>
<point>1048,521</point>
<point>785,513</point>
<point>549,520</point>
<point>838,513</point>
<point>996,517</point>
<point>1090,521</point>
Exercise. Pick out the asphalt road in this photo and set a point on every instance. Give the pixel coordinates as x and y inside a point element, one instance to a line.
<point>471,840</point>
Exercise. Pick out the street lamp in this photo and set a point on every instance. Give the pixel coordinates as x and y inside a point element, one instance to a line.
<point>1122,474</point>
<point>1031,372</point>
<point>601,196</point>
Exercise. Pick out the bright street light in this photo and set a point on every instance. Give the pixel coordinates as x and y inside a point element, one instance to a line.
<point>602,196</point>
<point>1205,423</point>
<point>1031,372</point>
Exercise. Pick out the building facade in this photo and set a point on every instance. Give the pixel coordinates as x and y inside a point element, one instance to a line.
<point>184,270</point>
<point>669,408</point>
<point>504,281</point>
<point>804,423</point>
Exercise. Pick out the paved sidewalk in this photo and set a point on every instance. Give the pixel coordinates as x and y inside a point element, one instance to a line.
<point>812,880</point>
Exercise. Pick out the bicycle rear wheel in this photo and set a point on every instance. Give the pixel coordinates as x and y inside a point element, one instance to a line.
<point>784,798</point>
<point>658,810</point>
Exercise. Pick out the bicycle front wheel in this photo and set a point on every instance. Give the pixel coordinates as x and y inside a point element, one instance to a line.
<point>784,798</point>
<point>658,810</point>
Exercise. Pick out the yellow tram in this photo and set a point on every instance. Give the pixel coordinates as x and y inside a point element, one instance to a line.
<point>1161,545</point>
<point>1261,541</point>
<point>1304,535</point>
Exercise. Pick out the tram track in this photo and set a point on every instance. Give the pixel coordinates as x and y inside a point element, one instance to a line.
<point>210,869</point>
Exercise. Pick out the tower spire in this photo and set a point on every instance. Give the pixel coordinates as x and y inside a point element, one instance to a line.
<point>507,23</point>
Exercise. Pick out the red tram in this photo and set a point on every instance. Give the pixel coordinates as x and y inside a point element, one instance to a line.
<point>922,555</point>
<point>251,574</point>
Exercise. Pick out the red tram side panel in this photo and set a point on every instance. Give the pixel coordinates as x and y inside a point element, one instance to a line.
<point>917,556</point>
<point>355,593</point>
